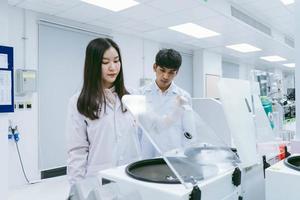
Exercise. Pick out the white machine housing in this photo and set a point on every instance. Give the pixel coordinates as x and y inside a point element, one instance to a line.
<point>282,182</point>
<point>217,188</point>
<point>253,186</point>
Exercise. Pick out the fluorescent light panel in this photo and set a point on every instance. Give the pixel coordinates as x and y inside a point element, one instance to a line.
<point>113,5</point>
<point>194,30</point>
<point>273,58</point>
<point>243,47</point>
<point>291,65</point>
<point>287,2</point>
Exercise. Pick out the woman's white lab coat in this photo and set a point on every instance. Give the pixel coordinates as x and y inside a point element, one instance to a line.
<point>94,145</point>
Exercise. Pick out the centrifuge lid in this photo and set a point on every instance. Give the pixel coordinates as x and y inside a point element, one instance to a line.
<point>200,155</point>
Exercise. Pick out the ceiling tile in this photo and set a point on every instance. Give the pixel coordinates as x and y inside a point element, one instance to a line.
<point>46,6</point>
<point>200,44</point>
<point>130,23</point>
<point>167,35</point>
<point>100,23</point>
<point>268,11</point>
<point>145,27</point>
<point>114,19</point>
<point>221,23</point>
<point>38,7</point>
<point>84,12</point>
<point>197,13</point>
<point>173,5</point>
<point>140,12</point>
<point>166,21</point>
<point>241,2</point>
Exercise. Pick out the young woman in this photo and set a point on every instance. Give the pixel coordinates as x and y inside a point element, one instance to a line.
<point>101,133</point>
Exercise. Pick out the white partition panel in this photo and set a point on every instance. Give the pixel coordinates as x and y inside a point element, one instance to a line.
<point>60,74</point>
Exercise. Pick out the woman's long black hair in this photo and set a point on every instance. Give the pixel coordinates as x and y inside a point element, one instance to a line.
<point>92,97</point>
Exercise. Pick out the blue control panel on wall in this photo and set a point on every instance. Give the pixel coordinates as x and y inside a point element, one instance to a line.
<point>6,79</point>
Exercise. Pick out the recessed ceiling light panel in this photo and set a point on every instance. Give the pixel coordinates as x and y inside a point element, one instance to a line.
<point>194,30</point>
<point>273,58</point>
<point>113,5</point>
<point>291,65</point>
<point>287,2</point>
<point>243,47</point>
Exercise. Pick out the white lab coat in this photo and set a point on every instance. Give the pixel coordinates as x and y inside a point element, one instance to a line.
<point>164,104</point>
<point>94,145</point>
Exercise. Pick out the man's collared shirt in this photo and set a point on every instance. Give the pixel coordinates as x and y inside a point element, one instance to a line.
<point>164,104</point>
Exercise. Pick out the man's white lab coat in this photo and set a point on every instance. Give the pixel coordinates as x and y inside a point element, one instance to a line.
<point>164,104</point>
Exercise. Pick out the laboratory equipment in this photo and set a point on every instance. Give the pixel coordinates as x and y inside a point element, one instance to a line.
<point>283,178</point>
<point>250,133</point>
<point>196,169</point>
<point>267,104</point>
<point>90,189</point>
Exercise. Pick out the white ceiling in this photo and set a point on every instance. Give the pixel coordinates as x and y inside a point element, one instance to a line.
<point>151,18</point>
<point>271,12</point>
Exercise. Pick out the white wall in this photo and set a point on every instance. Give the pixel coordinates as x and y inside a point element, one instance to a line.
<point>149,53</point>
<point>3,22</point>
<point>204,62</point>
<point>185,74</point>
<point>138,58</point>
<point>132,52</point>
<point>26,120</point>
<point>60,76</point>
<point>198,75</point>
<point>230,70</point>
<point>212,63</point>
<point>245,72</point>
<point>3,155</point>
<point>3,117</point>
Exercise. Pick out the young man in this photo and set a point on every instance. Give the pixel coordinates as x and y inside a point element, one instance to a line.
<point>166,99</point>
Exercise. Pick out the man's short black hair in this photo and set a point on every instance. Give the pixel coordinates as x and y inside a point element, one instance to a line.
<point>168,58</point>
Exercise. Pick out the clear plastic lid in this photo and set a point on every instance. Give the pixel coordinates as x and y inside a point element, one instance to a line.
<point>188,145</point>
<point>238,104</point>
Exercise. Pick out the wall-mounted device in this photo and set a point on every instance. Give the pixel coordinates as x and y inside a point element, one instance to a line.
<point>25,81</point>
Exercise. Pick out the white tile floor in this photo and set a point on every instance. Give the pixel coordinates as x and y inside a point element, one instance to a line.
<point>48,189</point>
